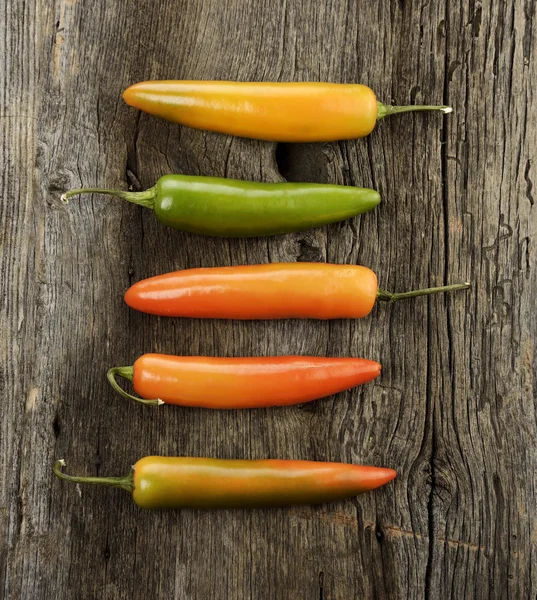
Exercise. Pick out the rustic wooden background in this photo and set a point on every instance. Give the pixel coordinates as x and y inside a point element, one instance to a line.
<point>455,408</point>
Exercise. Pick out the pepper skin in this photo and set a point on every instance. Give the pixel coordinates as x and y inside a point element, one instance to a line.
<point>215,206</point>
<point>229,383</point>
<point>279,112</point>
<point>269,291</point>
<point>175,482</point>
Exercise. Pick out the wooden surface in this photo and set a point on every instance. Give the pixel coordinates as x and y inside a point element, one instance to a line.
<point>455,408</point>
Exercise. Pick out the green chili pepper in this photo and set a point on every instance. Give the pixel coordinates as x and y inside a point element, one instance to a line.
<point>231,208</point>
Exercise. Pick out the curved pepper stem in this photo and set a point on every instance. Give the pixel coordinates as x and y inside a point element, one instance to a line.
<point>126,373</point>
<point>125,483</point>
<point>146,198</point>
<point>395,296</point>
<point>385,110</point>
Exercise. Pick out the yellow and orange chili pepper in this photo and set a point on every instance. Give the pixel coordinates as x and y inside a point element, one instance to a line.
<point>279,112</point>
<point>268,291</point>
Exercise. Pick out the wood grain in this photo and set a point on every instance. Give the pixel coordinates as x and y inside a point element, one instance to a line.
<point>455,408</point>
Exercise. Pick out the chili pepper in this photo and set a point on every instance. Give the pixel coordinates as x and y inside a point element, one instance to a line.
<point>177,482</point>
<point>240,382</point>
<point>269,291</point>
<point>227,207</point>
<point>278,112</point>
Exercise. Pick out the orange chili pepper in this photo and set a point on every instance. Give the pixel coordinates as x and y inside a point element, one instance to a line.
<point>184,482</point>
<point>241,382</point>
<point>270,291</point>
<point>280,112</point>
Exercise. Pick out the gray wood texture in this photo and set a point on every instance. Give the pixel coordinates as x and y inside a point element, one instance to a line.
<point>455,408</point>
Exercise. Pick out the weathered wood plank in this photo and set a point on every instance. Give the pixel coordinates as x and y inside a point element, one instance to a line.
<point>19,264</point>
<point>454,410</point>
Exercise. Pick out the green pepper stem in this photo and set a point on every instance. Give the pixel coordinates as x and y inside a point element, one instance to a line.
<point>127,373</point>
<point>385,110</point>
<point>125,483</point>
<point>146,198</point>
<point>395,296</point>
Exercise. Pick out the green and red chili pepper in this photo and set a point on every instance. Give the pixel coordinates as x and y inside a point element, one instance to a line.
<point>177,482</point>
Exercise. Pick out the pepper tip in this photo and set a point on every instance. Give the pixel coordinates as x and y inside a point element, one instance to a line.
<point>376,369</point>
<point>129,95</point>
<point>383,476</point>
<point>127,297</point>
<point>392,474</point>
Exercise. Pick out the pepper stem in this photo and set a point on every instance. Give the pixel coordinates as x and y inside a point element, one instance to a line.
<point>146,198</point>
<point>125,483</point>
<point>395,296</point>
<point>385,110</point>
<point>127,373</point>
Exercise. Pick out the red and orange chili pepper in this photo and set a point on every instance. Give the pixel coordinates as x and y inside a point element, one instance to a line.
<point>240,382</point>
